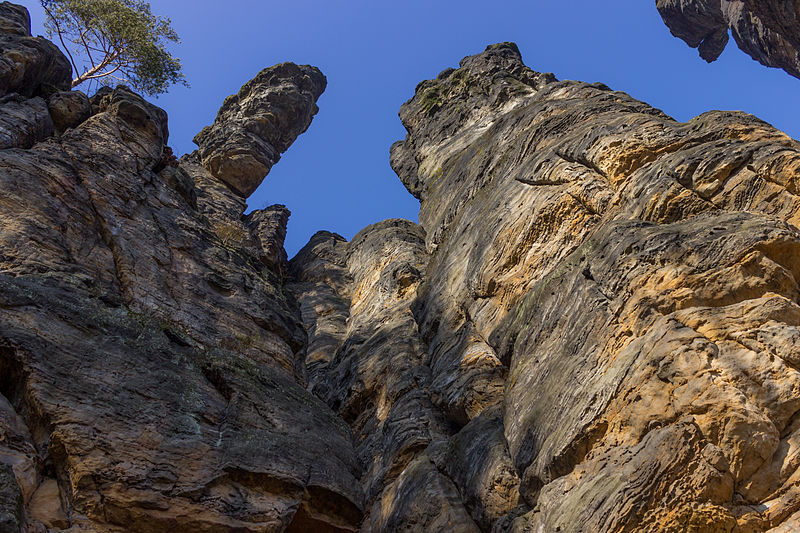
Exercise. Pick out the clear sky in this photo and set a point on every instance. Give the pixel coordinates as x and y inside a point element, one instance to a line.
<point>337,176</point>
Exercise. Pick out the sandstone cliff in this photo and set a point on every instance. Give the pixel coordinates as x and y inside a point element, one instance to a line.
<point>767,30</point>
<point>149,363</point>
<point>594,326</point>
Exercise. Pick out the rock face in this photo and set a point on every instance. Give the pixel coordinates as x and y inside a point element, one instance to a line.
<point>254,127</point>
<point>595,326</point>
<point>30,66</point>
<point>767,30</point>
<point>150,369</point>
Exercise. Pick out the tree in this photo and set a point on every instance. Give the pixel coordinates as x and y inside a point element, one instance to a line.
<point>119,40</point>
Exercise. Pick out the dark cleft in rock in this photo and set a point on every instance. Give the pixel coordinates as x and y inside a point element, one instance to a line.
<point>256,125</point>
<point>767,30</point>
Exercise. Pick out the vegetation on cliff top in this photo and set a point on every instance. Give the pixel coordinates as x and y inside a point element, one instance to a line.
<point>111,42</point>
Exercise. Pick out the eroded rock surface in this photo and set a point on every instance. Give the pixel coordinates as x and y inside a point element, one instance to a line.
<point>256,125</point>
<point>151,373</point>
<point>30,66</point>
<point>594,326</point>
<point>604,308</point>
<point>767,30</point>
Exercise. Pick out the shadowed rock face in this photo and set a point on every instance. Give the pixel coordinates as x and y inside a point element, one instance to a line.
<point>767,30</point>
<point>151,373</point>
<point>30,66</point>
<point>256,125</point>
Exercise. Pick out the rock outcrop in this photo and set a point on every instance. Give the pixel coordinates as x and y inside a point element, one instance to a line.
<point>595,321</point>
<point>594,326</point>
<point>767,30</point>
<point>256,125</point>
<point>150,369</point>
<point>30,66</point>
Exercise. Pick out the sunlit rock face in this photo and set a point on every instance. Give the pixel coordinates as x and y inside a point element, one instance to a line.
<point>595,323</point>
<point>767,30</point>
<point>593,327</point>
<point>256,125</point>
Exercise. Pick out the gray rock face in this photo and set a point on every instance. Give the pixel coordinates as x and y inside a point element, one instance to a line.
<point>23,122</point>
<point>767,30</point>
<point>11,518</point>
<point>151,373</point>
<point>256,125</point>
<point>367,360</point>
<point>68,109</point>
<point>31,66</point>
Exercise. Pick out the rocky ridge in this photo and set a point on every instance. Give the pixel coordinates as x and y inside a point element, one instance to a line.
<point>593,327</point>
<point>767,30</point>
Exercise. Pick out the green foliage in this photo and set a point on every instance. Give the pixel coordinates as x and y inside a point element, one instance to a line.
<point>431,100</point>
<point>117,42</point>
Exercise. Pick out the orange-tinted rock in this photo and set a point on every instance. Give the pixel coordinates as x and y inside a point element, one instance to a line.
<point>594,327</point>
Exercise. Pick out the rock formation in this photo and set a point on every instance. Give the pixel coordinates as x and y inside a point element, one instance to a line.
<point>594,326</point>
<point>254,127</point>
<point>595,321</point>
<point>767,30</point>
<point>149,364</point>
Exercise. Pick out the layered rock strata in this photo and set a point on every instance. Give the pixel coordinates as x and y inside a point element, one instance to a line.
<point>604,307</point>
<point>150,369</point>
<point>256,125</point>
<point>767,30</point>
<point>593,327</point>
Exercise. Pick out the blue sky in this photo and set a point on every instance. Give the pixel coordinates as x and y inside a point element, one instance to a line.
<point>337,176</point>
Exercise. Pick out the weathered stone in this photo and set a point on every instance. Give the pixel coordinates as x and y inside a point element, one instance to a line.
<point>366,359</point>
<point>11,520</point>
<point>767,30</point>
<point>46,507</point>
<point>23,122</point>
<point>151,359</point>
<point>594,326</point>
<point>421,499</point>
<point>68,109</point>
<point>268,230</point>
<point>562,221</point>
<point>16,444</point>
<point>477,460</point>
<point>256,125</point>
<point>30,66</point>
<point>14,19</point>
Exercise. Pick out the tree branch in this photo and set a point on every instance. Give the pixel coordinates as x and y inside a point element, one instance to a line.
<point>61,38</point>
<point>86,45</point>
<point>97,76</point>
<point>92,72</point>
